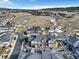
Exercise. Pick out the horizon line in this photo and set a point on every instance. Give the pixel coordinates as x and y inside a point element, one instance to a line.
<point>40,8</point>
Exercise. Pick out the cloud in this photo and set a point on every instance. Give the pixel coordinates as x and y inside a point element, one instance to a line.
<point>41,7</point>
<point>48,6</point>
<point>35,7</point>
<point>5,2</point>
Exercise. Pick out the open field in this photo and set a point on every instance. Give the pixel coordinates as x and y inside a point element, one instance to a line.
<point>20,14</point>
<point>38,21</point>
<point>31,20</point>
<point>73,22</point>
<point>43,21</point>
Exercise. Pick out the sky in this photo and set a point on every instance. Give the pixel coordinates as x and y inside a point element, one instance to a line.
<point>37,4</point>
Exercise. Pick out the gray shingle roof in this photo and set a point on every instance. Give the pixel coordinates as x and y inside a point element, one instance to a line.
<point>33,56</point>
<point>6,37</point>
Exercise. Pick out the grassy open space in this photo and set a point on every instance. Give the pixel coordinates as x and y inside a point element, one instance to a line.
<point>32,20</point>
<point>43,21</point>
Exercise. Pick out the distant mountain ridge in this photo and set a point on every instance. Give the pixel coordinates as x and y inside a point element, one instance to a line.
<point>44,9</point>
